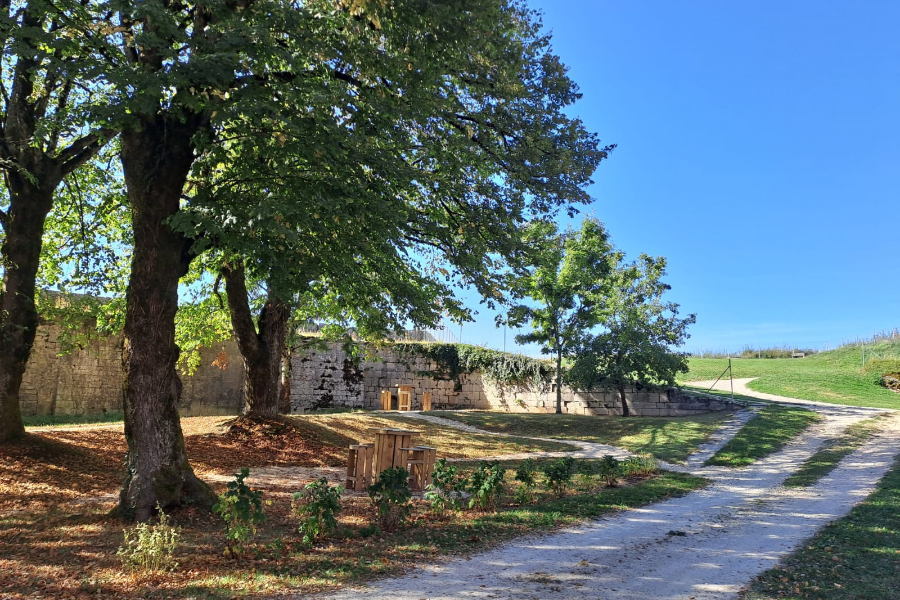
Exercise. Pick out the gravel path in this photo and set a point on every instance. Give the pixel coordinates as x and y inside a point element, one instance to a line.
<point>704,546</point>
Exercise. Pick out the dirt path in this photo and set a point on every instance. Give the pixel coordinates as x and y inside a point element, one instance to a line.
<point>704,546</point>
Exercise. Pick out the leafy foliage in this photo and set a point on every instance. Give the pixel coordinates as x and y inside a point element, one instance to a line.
<point>558,475</point>
<point>150,547</point>
<point>502,368</point>
<point>640,465</point>
<point>609,469</point>
<point>639,332</point>
<point>569,273</point>
<point>525,475</point>
<point>317,507</point>
<point>486,486</point>
<point>241,509</point>
<point>391,497</point>
<point>446,487</point>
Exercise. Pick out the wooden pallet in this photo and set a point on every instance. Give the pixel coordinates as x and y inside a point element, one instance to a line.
<point>385,399</point>
<point>426,401</point>
<point>391,448</point>
<point>420,465</point>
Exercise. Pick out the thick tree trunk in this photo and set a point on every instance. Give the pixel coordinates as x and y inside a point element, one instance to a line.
<point>559,383</point>
<point>21,252</point>
<point>156,162</point>
<point>284,391</point>
<point>621,389</point>
<point>261,345</point>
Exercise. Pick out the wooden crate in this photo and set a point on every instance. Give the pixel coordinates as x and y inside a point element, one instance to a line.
<point>426,401</point>
<point>385,399</point>
<point>359,466</point>
<point>391,448</point>
<point>421,465</point>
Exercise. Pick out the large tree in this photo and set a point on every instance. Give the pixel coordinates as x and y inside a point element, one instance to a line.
<point>569,273</point>
<point>640,333</point>
<point>467,87</point>
<point>48,85</point>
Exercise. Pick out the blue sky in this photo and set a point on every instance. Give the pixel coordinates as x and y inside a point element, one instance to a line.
<point>758,150</point>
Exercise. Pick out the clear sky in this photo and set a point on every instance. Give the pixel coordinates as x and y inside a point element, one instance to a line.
<point>758,150</point>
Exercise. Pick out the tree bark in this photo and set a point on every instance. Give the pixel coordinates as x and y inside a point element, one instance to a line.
<point>21,252</point>
<point>559,383</point>
<point>261,344</point>
<point>621,388</point>
<point>284,392</point>
<point>156,159</point>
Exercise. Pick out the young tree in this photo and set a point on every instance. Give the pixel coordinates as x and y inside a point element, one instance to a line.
<point>639,333</point>
<point>566,281</point>
<point>47,88</point>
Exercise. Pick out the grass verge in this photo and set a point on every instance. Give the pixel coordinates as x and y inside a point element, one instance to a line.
<point>671,439</point>
<point>857,556</point>
<point>825,460</point>
<point>768,432</point>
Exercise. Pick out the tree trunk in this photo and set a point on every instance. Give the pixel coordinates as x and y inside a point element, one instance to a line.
<point>156,160</point>
<point>621,388</point>
<point>261,350</point>
<point>284,392</point>
<point>559,383</point>
<point>21,252</point>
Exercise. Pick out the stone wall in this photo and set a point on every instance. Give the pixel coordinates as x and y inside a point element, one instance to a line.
<point>327,379</point>
<point>89,381</point>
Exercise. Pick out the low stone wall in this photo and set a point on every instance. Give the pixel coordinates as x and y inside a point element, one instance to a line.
<point>90,381</point>
<point>327,379</point>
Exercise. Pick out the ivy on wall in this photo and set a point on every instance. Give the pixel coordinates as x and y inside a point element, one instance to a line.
<point>498,367</point>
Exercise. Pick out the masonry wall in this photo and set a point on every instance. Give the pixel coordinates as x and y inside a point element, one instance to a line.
<point>327,379</point>
<point>90,381</point>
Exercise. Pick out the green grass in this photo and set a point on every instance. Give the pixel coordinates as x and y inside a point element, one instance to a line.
<point>825,460</point>
<point>836,377</point>
<point>670,439</point>
<point>857,556</point>
<point>768,432</point>
<point>63,420</point>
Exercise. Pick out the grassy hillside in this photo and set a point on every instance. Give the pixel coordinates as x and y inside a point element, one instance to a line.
<point>836,376</point>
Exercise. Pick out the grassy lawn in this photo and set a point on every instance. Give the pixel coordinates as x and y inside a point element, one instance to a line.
<point>768,432</point>
<point>69,551</point>
<point>669,439</point>
<point>825,460</point>
<point>450,442</point>
<point>837,377</point>
<point>857,556</point>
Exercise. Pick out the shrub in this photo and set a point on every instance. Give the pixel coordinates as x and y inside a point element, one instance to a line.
<point>149,547</point>
<point>446,487</point>
<point>609,469</point>
<point>390,495</point>
<point>317,507</point>
<point>525,476</point>
<point>641,465</point>
<point>559,475</point>
<point>240,507</point>
<point>586,471</point>
<point>486,486</point>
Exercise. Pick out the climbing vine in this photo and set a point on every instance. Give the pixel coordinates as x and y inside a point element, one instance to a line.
<point>498,367</point>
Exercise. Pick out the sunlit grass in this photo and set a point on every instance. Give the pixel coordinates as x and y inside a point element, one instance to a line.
<point>768,432</point>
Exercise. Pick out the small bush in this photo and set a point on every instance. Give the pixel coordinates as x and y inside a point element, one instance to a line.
<point>525,476</point>
<point>641,465</point>
<point>149,547</point>
<point>240,507</point>
<point>390,495</point>
<point>609,469</point>
<point>486,486</point>
<point>446,487</point>
<point>317,507</point>
<point>558,475</point>
<point>586,471</point>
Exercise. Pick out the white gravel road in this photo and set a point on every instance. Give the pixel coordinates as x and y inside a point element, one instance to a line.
<point>704,546</point>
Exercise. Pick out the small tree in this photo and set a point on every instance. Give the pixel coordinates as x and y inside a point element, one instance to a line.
<point>640,332</point>
<point>569,273</point>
